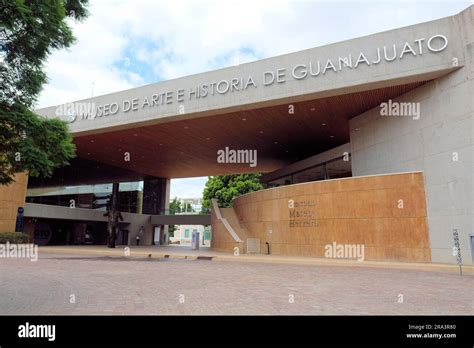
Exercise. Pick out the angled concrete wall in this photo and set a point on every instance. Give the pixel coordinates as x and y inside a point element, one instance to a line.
<point>221,239</point>
<point>228,234</point>
<point>440,143</point>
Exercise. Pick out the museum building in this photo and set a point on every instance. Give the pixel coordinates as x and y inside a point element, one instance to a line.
<point>368,141</point>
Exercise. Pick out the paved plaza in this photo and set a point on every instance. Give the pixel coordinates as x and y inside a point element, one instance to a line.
<point>81,284</point>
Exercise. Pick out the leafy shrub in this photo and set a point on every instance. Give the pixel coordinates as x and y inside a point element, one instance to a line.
<point>14,237</point>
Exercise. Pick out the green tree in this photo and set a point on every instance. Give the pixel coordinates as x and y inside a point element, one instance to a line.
<point>174,208</point>
<point>226,187</point>
<point>29,31</point>
<point>177,207</point>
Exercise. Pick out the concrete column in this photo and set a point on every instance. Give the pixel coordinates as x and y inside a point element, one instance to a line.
<point>166,204</point>
<point>156,197</point>
<point>139,202</point>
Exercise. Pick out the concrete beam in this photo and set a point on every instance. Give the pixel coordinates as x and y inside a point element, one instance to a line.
<point>64,213</point>
<point>423,51</point>
<point>307,163</point>
<point>181,219</point>
<point>56,212</point>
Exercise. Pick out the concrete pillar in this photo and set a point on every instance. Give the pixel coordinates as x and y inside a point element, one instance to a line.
<point>166,204</point>
<point>156,197</point>
<point>139,202</point>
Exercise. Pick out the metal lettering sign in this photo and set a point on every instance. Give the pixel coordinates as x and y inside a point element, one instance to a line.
<point>88,110</point>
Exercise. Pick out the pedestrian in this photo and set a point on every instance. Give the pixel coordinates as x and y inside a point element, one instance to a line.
<point>138,239</point>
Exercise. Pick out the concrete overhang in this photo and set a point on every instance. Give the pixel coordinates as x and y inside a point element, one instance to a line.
<point>181,137</point>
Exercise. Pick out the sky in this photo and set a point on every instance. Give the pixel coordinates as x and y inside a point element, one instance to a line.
<point>129,43</point>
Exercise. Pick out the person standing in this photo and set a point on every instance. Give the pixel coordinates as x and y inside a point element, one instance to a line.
<point>138,239</point>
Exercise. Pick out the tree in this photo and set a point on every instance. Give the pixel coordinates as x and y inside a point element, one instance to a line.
<point>29,31</point>
<point>174,207</point>
<point>177,207</point>
<point>226,187</point>
<point>31,144</point>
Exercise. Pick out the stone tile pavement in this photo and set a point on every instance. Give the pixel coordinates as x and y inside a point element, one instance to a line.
<point>85,284</point>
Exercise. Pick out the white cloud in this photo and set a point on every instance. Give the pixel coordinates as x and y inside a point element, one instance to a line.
<point>168,39</point>
<point>187,188</point>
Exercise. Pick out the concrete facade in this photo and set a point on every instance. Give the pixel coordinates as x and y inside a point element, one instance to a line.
<point>440,143</point>
<point>342,79</point>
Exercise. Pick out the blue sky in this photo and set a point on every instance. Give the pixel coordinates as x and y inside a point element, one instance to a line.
<point>125,44</point>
